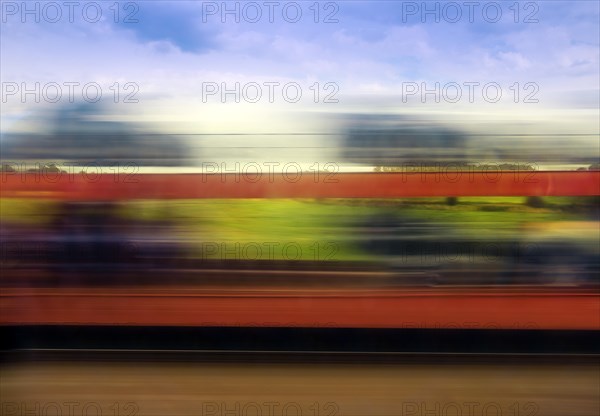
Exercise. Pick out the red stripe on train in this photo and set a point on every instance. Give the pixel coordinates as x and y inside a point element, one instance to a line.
<point>395,309</point>
<point>305,185</point>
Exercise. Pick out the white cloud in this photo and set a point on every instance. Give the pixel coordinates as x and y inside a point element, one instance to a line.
<point>362,58</point>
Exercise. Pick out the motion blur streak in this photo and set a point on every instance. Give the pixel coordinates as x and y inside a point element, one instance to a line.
<point>161,388</point>
<point>392,308</point>
<point>299,208</point>
<point>406,183</point>
<point>428,238</point>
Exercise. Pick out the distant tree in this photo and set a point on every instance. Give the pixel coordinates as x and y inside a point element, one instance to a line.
<point>451,200</point>
<point>79,134</point>
<point>535,202</point>
<point>391,140</point>
<point>48,168</point>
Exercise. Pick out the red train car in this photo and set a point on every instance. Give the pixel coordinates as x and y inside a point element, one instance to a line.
<point>441,306</point>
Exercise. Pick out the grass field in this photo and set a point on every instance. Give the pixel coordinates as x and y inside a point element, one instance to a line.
<point>310,229</point>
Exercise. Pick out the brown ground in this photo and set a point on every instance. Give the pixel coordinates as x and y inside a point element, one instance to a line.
<point>232,389</point>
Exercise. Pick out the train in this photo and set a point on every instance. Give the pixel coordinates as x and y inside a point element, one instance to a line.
<point>81,258</point>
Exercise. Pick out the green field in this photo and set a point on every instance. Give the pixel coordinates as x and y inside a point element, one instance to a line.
<point>312,229</point>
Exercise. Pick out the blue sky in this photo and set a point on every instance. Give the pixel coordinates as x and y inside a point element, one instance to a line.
<point>372,49</point>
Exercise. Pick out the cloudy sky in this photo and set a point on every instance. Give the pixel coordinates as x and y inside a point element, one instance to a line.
<point>349,56</point>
